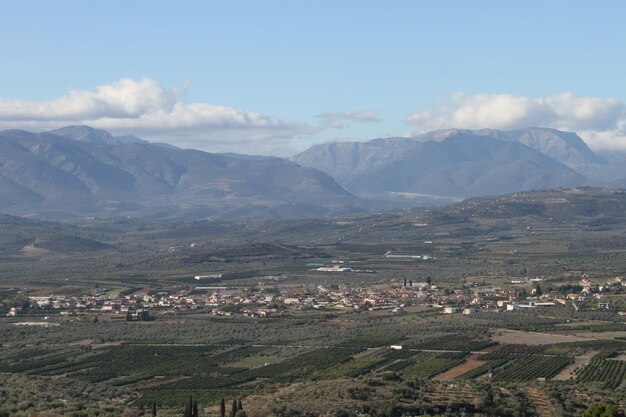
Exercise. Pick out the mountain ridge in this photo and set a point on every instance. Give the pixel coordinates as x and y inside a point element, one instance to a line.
<point>79,171</point>
<point>488,159</point>
<point>44,174</point>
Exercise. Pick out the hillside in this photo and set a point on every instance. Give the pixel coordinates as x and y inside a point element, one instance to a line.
<point>28,237</point>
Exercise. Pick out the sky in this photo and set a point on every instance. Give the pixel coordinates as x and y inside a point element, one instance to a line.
<point>275,77</point>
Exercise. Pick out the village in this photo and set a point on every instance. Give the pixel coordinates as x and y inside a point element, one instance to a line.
<point>270,298</point>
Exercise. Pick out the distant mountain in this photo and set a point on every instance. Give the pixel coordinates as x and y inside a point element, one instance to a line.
<point>91,135</point>
<point>98,136</point>
<point>566,147</point>
<point>456,162</point>
<point>246,157</point>
<point>80,171</point>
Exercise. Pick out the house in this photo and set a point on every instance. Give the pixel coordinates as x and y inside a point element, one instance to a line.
<point>450,310</point>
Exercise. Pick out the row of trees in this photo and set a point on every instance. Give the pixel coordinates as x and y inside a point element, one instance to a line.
<point>191,408</point>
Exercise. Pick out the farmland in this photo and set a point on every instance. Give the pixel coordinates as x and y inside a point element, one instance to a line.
<point>604,370</point>
<point>271,329</point>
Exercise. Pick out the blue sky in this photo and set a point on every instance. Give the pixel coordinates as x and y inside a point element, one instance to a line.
<point>265,70</point>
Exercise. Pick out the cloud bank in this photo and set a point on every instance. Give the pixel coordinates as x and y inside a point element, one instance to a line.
<point>601,122</point>
<point>144,108</point>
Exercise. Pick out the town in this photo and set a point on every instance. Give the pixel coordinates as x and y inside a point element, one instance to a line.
<point>268,298</point>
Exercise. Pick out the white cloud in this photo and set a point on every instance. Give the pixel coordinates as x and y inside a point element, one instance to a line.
<point>600,121</point>
<point>336,120</point>
<point>144,108</point>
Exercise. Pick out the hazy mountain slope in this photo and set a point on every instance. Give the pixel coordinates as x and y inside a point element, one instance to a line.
<point>45,174</point>
<point>91,135</point>
<point>450,163</point>
<point>566,147</point>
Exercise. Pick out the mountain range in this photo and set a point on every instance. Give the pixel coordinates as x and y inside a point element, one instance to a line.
<point>78,171</point>
<point>458,163</point>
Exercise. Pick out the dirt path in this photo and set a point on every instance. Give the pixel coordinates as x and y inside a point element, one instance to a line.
<point>472,361</point>
<point>155,382</point>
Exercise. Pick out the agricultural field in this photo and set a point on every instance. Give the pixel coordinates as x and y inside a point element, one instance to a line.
<point>605,370</point>
<point>291,340</point>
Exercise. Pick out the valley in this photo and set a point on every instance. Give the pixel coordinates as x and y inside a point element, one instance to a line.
<point>493,304</point>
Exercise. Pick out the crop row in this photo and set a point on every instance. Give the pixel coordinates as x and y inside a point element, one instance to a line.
<point>130,360</point>
<point>459,343</point>
<point>428,364</point>
<point>532,367</point>
<point>609,372</point>
<point>307,363</point>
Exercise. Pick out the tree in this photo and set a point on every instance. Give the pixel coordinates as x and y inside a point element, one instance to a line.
<point>233,409</point>
<point>602,410</point>
<point>522,293</point>
<point>194,410</point>
<point>486,403</point>
<point>223,408</point>
<point>188,408</point>
<point>538,290</point>
<point>429,280</point>
<point>239,406</point>
<point>154,413</point>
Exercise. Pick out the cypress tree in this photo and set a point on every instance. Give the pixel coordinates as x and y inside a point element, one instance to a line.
<point>233,409</point>
<point>194,412</point>
<point>239,406</point>
<point>223,408</point>
<point>154,408</point>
